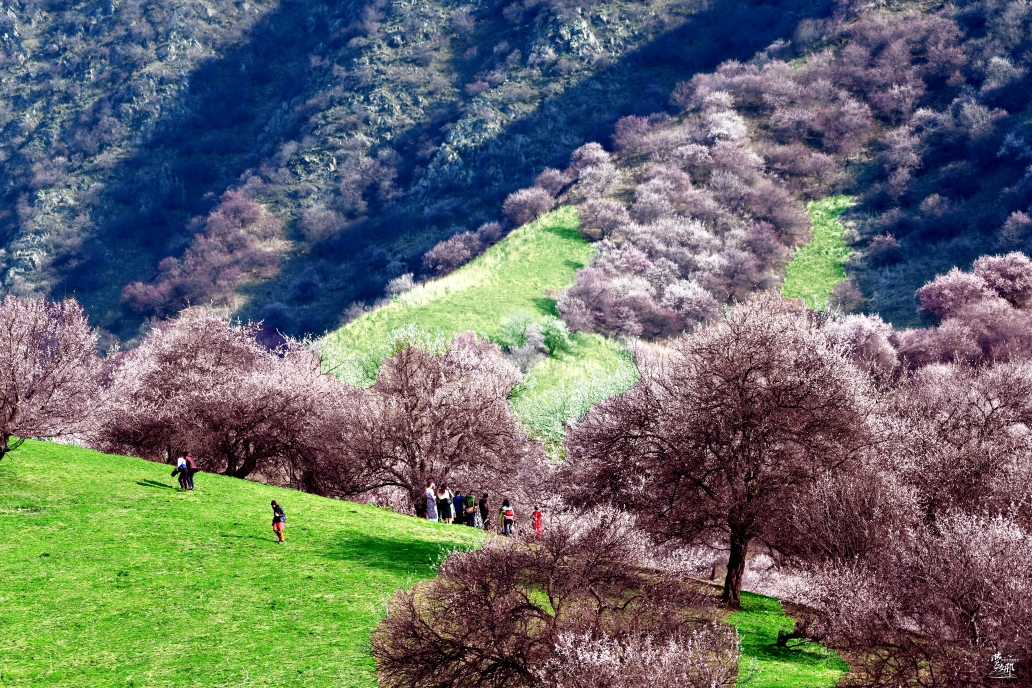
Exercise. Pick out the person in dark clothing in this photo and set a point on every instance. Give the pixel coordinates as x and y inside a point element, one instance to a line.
<point>279,520</point>
<point>191,468</point>
<point>459,508</point>
<point>470,509</point>
<point>482,505</point>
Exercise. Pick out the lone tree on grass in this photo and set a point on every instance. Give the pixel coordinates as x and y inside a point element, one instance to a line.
<point>47,365</point>
<point>443,418</point>
<point>723,430</point>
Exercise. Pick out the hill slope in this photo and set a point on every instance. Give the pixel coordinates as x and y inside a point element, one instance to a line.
<point>520,273</point>
<point>112,577</point>
<point>372,129</point>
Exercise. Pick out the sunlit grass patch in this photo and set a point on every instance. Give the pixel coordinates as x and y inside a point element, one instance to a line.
<point>764,664</point>
<point>819,267</point>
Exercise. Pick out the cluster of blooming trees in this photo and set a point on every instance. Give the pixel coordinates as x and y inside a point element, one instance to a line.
<point>240,241</point>
<point>581,608</point>
<point>896,487</point>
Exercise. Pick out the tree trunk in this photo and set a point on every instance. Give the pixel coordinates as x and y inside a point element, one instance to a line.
<point>5,445</point>
<point>732,596</point>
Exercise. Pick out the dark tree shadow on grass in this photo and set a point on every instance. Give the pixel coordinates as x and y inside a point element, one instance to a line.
<point>394,555</point>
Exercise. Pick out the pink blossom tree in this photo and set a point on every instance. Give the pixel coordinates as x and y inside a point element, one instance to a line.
<point>724,430</point>
<point>47,363</point>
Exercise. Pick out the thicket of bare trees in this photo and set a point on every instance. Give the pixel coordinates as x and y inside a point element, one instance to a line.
<point>897,489</point>
<point>200,384</point>
<point>48,363</point>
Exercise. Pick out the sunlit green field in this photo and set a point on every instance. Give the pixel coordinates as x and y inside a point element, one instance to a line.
<point>111,576</point>
<point>765,665</point>
<point>524,272</point>
<point>819,267</point>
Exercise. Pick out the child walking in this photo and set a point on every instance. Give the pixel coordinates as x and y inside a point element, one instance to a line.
<point>279,518</point>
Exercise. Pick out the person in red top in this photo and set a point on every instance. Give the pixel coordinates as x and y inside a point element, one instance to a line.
<point>535,519</point>
<point>191,468</point>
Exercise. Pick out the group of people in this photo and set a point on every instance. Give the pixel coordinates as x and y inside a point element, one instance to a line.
<point>185,469</point>
<point>445,506</point>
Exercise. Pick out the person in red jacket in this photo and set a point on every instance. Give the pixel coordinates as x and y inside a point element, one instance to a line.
<point>536,520</point>
<point>191,468</point>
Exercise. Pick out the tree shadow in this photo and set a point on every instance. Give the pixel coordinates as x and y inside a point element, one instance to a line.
<point>394,555</point>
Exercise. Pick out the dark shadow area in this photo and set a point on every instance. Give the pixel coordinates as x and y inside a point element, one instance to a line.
<point>637,84</point>
<point>387,554</point>
<point>154,483</point>
<point>242,108</point>
<point>237,111</point>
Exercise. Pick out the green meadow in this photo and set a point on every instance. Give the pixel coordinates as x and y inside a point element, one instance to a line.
<point>111,576</point>
<point>522,272</point>
<point>819,267</point>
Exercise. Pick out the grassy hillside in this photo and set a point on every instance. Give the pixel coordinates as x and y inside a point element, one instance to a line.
<point>113,578</point>
<point>763,664</point>
<point>819,267</point>
<point>518,273</point>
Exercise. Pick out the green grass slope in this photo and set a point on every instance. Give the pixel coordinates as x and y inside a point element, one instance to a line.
<point>515,274</point>
<point>765,665</point>
<point>819,267</point>
<point>518,273</point>
<point>110,577</point>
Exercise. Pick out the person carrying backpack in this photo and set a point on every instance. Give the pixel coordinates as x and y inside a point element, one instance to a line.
<point>471,510</point>
<point>506,518</point>
<point>279,520</point>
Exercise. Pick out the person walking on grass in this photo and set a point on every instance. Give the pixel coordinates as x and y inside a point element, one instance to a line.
<point>506,518</point>
<point>431,501</point>
<point>535,519</point>
<point>279,520</point>
<point>180,470</point>
<point>459,508</point>
<point>485,522</point>
<point>191,468</point>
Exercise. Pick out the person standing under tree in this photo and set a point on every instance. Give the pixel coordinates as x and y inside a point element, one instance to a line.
<point>470,510</point>
<point>458,507</point>
<point>484,520</point>
<point>506,518</point>
<point>279,520</point>
<point>535,519</point>
<point>431,501</point>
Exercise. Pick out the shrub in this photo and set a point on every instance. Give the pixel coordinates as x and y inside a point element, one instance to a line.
<point>527,205</point>
<point>552,180</point>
